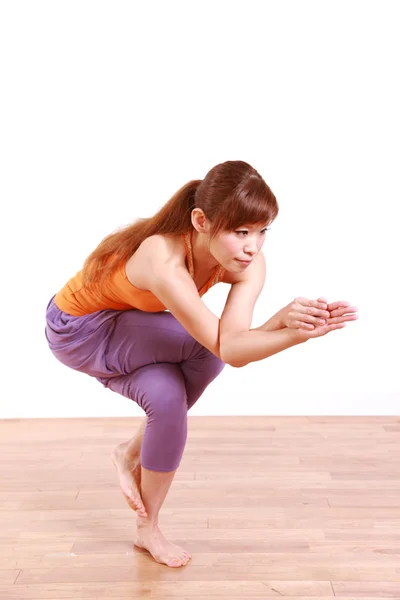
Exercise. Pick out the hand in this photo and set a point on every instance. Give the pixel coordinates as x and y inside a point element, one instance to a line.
<point>304,313</point>
<point>340,312</point>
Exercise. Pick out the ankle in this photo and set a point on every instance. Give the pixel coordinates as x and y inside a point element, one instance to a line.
<point>128,457</point>
<point>147,523</point>
<point>131,459</point>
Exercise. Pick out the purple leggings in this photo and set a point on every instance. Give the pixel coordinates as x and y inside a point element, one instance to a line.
<point>147,357</point>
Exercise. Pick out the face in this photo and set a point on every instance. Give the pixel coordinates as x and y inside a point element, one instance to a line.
<point>235,250</point>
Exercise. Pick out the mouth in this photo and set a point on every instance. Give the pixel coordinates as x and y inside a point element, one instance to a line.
<point>243,262</point>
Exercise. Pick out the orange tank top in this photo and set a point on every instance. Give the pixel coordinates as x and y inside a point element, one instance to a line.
<point>118,293</point>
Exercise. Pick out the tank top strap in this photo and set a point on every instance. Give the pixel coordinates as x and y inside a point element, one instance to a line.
<point>187,239</point>
<point>217,274</point>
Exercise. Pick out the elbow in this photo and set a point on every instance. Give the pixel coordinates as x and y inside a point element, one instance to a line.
<point>237,364</point>
<point>232,361</point>
<point>230,352</point>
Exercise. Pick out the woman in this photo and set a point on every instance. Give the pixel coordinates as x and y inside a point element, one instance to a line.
<point>110,321</point>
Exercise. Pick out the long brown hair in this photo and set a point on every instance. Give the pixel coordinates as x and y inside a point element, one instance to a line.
<point>231,194</point>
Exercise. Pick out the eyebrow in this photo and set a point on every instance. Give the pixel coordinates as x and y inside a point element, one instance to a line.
<point>252,226</point>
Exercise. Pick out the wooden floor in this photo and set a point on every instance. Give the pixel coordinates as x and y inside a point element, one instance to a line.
<point>268,506</point>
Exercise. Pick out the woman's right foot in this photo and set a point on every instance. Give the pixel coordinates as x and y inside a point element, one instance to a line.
<point>149,537</point>
<point>129,478</point>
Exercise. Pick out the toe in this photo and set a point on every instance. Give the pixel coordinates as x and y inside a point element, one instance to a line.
<point>175,562</point>
<point>138,504</point>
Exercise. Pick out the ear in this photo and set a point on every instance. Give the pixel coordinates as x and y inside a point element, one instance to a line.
<point>200,221</point>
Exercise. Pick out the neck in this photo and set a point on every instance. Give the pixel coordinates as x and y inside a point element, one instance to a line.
<point>203,260</point>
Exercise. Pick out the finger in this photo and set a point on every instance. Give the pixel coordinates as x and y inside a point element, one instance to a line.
<point>320,303</point>
<point>312,309</point>
<point>334,326</point>
<point>306,318</point>
<point>344,319</point>
<point>344,311</point>
<point>311,303</point>
<point>324,330</point>
<point>299,324</point>
<point>338,304</point>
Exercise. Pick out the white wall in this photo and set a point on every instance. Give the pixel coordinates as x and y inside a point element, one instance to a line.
<point>109,107</point>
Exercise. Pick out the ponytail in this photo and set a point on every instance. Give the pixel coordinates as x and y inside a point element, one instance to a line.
<point>233,193</point>
<point>173,218</point>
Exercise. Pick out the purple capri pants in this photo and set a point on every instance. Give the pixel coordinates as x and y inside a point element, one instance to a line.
<point>147,357</point>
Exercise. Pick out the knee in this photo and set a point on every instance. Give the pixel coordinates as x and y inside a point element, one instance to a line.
<point>159,389</point>
<point>167,407</point>
<point>200,374</point>
<point>165,398</point>
<point>208,363</point>
<point>216,365</point>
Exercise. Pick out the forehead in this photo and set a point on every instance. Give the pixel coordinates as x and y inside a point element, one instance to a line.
<point>254,225</point>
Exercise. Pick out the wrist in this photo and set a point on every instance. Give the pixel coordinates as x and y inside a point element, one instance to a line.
<point>297,335</point>
<point>273,324</point>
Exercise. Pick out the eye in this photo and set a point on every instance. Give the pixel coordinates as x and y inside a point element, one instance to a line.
<point>245,232</point>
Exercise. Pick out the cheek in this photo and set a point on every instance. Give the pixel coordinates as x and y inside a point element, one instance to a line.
<point>231,247</point>
<point>226,248</point>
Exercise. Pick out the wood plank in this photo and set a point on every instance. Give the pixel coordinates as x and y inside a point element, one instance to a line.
<point>145,568</point>
<point>307,507</point>
<point>256,590</point>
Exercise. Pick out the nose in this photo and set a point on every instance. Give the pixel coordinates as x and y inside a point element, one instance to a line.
<point>250,248</point>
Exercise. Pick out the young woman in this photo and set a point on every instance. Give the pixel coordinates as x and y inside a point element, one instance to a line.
<point>111,321</point>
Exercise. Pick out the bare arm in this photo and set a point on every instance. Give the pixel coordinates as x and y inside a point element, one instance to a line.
<point>272,324</point>
<point>175,288</point>
<point>229,338</point>
<point>166,276</point>
<point>253,345</point>
<point>239,344</point>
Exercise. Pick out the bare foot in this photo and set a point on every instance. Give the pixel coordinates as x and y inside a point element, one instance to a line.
<point>129,479</point>
<point>149,537</point>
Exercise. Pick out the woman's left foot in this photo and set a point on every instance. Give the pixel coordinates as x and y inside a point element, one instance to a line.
<point>149,537</point>
<point>129,479</point>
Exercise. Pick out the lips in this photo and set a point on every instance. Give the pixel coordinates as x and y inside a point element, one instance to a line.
<point>244,262</point>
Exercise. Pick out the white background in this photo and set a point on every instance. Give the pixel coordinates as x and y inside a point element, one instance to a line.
<point>107,108</point>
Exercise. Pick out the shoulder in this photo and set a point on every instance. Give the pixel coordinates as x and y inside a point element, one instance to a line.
<point>159,249</point>
<point>254,273</point>
<point>155,253</point>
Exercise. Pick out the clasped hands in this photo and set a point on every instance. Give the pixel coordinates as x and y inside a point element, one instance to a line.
<point>314,318</point>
